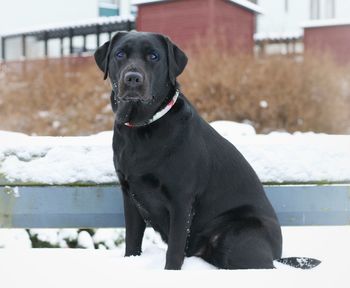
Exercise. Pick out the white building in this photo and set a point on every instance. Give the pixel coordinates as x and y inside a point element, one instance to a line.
<point>280,28</point>
<point>287,16</point>
<point>282,19</point>
<point>26,15</point>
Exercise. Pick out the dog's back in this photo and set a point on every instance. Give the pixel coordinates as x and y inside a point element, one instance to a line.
<point>232,205</point>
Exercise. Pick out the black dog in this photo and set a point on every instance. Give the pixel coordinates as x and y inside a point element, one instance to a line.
<point>177,173</point>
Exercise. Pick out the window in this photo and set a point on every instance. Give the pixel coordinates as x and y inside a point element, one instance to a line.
<point>330,9</point>
<point>108,8</point>
<point>113,2</point>
<point>314,9</point>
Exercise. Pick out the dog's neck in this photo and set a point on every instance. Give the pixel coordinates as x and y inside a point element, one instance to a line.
<point>160,113</point>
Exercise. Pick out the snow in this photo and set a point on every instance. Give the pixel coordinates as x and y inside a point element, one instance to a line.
<point>56,160</point>
<point>108,268</point>
<point>107,238</point>
<point>249,5</point>
<point>234,129</point>
<point>264,104</point>
<point>139,2</point>
<point>278,36</point>
<point>276,157</point>
<point>326,23</point>
<point>85,240</point>
<point>14,239</point>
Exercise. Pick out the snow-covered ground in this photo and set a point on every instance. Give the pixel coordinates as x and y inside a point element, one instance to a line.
<point>21,267</point>
<point>277,157</point>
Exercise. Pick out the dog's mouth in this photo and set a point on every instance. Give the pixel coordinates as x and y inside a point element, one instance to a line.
<point>133,106</point>
<point>124,112</point>
<point>133,96</point>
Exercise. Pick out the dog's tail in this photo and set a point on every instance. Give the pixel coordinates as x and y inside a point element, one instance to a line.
<point>300,262</point>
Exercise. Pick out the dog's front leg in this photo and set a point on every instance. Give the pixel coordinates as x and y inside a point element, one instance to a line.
<point>180,223</point>
<point>134,226</point>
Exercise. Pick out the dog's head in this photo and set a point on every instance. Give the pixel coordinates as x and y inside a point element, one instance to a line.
<point>142,68</point>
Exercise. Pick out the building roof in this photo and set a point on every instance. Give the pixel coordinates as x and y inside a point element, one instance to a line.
<point>325,23</point>
<point>248,5</point>
<point>88,26</point>
<point>278,36</point>
<point>243,3</point>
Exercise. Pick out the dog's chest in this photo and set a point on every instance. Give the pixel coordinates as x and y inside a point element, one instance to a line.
<point>145,161</point>
<point>139,153</point>
<point>149,196</point>
<point>143,181</point>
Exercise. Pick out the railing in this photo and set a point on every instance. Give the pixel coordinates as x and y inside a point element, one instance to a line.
<point>70,30</point>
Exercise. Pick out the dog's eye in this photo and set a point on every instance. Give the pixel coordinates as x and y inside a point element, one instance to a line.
<point>153,56</point>
<point>120,55</point>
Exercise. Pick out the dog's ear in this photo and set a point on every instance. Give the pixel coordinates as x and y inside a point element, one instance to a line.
<point>114,101</point>
<point>177,59</point>
<point>101,57</point>
<point>102,54</point>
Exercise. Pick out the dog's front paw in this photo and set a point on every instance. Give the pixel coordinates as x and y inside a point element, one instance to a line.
<point>172,267</point>
<point>174,264</point>
<point>132,253</point>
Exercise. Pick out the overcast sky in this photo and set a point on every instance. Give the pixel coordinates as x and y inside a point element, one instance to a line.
<point>25,14</point>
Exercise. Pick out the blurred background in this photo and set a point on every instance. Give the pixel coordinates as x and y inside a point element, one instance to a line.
<point>279,65</point>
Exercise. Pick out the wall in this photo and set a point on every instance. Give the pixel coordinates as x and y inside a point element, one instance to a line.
<point>177,19</point>
<point>334,40</point>
<point>342,9</point>
<point>277,19</point>
<point>238,24</point>
<point>185,21</point>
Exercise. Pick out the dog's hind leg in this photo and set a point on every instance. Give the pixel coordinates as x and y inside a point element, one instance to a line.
<point>244,245</point>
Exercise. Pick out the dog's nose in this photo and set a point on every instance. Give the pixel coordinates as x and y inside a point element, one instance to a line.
<point>133,79</point>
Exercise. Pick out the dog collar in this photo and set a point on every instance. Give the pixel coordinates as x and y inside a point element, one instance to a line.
<point>160,113</point>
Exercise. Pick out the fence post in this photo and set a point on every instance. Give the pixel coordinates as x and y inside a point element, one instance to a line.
<point>70,41</point>
<point>24,46</point>
<point>3,47</point>
<point>46,48</point>
<point>61,47</point>
<point>129,25</point>
<point>98,36</point>
<point>84,43</point>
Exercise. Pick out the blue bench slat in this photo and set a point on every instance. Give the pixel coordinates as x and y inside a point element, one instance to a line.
<point>102,206</point>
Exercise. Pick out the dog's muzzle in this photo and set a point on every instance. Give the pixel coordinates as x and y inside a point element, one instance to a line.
<point>132,87</point>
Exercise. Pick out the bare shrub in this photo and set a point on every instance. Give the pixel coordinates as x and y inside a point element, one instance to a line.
<point>54,97</point>
<point>274,93</point>
<point>68,97</point>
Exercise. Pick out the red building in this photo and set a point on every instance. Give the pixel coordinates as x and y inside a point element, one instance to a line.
<point>329,36</point>
<point>184,21</point>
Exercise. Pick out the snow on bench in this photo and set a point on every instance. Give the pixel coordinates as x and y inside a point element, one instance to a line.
<point>71,182</point>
